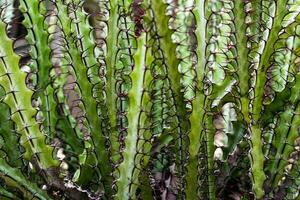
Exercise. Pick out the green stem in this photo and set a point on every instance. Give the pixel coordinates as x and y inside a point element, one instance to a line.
<point>18,98</point>
<point>135,99</point>
<point>242,57</point>
<point>257,164</point>
<point>197,116</point>
<point>169,52</point>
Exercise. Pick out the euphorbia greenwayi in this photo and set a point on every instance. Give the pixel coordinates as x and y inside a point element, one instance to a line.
<point>150,99</point>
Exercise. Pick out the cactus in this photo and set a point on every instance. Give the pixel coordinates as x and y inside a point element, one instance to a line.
<point>149,99</point>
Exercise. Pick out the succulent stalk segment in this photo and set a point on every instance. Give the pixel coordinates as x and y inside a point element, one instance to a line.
<point>135,96</point>
<point>18,98</point>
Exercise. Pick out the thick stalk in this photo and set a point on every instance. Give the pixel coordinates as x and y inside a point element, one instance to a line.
<point>112,50</point>
<point>257,156</point>
<point>196,118</point>
<point>169,52</point>
<point>242,57</point>
<point>18,98</point>
<point>135,100</point>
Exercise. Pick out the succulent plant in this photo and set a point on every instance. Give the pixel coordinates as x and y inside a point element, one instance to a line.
<point>150,99</point>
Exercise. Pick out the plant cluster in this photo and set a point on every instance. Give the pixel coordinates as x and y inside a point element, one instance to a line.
<point>150,99</point>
